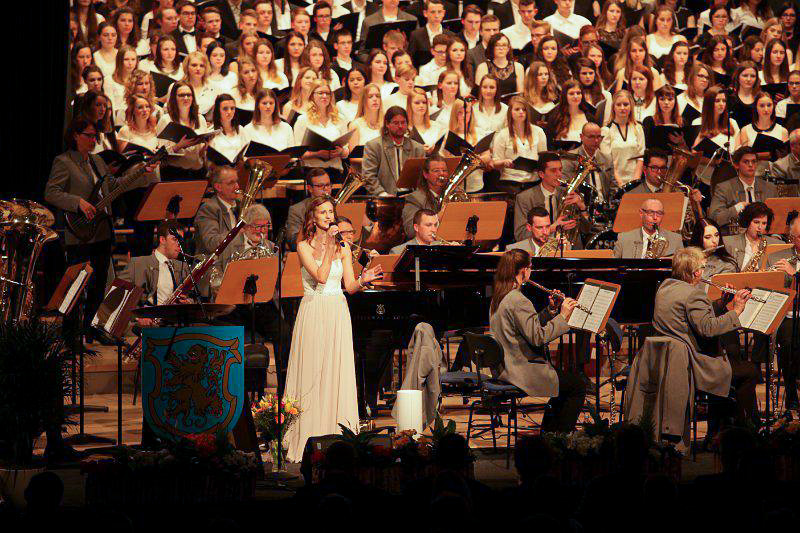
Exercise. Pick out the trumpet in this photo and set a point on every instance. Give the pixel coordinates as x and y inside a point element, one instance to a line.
<point>728,290</point>
<point>555,294</point>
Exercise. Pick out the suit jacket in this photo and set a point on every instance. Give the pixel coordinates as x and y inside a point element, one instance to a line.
<point>400,248</point>
<point>629,244</point>
<point>142,271</point>
<point>605,169</point>
<point>294,221</point>
<point>328,42</point>
<point>377,18</point>
<point>777,256</point>
<point>476,55</point>
<point>787,167</point>
<point>641,188</point>
<point>735,245</point>
<point>728,193</point>
<point>212,224</point>
<point>525,201</point>
<point>229,28</point>
<point>519,330</point>
<point>715,265</point>
<point>69,183</point>
<point>380,163</point>
<point>181,45</point>
<point>524,244</point>
<point>504,12</point>
<point>420,41</point>
<point>419,199</point>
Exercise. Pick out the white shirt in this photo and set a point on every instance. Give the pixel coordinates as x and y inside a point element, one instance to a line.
<point>106,67</point>
<point>347,109</point>
<point>487,121</point>
<point>749,250</point>
<point>329,130</point>
<point>503,148</point>
<point>280,136</point>
<point>429,73</point>
<point>780,107</point>
<point>570,25</point>
<point>518,34</point>
<point>472,43</point>
<point>432,33</point>
<point>166,286</point>
<point>229,145</point>
<point>189,40</point>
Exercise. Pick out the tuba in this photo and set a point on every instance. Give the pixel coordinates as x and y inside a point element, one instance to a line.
<point>25,229</point>
<point>260,174</point>
<point>670,182</point>
<point>452,192</point>
<point>571,211</point>
<point>656,245</point>
<point>352,183</point>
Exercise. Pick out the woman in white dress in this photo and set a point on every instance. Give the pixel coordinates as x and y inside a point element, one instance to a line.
<point>354,86</point>
<point>677,66</point>
<point>323,119</point>
<point>166,60</point>
<point>105,56</point>
<point>139,129</point>
<point>644,101</point>
<point>81,57</point>
<point>301,92</point>
<point>196,71</point>
<point>420,120</point>
<point>568,119</point>
<point>378,72</point>
<point>232,139</point>
<point>321,373</point>
<point>405,77</point>
<point>519,138</point>
<point>290,62</point>
<point>623,139</point>
<point>315,55</point>
<point>446,94</point>
<point>267,127</point>
<point>456,60</point>
<point>369,117</point>
<point>182,109</point>
<point>114,87</point>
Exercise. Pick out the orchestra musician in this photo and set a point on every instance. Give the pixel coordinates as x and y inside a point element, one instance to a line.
<point>515,324</point>
<point>160,272</point>
<point>429,189</point>
<point>318,183</point>
<point>683,311</point>
<point>426,222</point>
<point>788,167</point>
<point>706,236</point>
<point>731,196</point>
<point>73,177</point>
<point>655,170</point>
<point>384,157</point>
<point>602,178</point>
<point>755,218</point>
<point>787,262</point>
<point>538,227</point>
<point>218,215</point>
<point>633,244</point>
<point>550,194</point>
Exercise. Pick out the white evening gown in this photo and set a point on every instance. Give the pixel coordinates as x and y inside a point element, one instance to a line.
<point>321,373</point>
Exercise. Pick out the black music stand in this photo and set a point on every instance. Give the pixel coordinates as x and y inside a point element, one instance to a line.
<point>420,257</point>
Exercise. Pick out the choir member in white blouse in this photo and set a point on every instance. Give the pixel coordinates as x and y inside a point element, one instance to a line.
<point>405,76</point>
<point>127,30</point>
<point>568,119</point>
<point>354,86</point>
<point>301,93</point>
<point>196,71</point>
<point>139,130</point>
<point>456,60</point>
<point>166,58</point>
<point>447,93</point>
<point>232,139</point>
<point>221,77</point>
<point>245,47</point>
<point>315,55</point>
<point>369,117</point>
<point>267,127</point>
<point>459,118</point>
<point>248,85</point>
<point>114,86</point>
<point>271,77</point>
<point>519,138</point>
<point>105,56</point>
<point>97,108</point>
<point>81,58</point>
<point>660,42</point>
<point>489,112</point>
<point>290,62</point>
<point>88,19</point>
<point>623,140</point>
<point>323,119</point>
<point>420,120</point>
<point>763,122</point>
<point>644,101</point>
<point>182,109</point>
<point>140,84</point>
<point>92,80</point>
<point>378,72</point>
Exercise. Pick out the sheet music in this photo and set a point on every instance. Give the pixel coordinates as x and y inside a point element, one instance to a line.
<point>114,314</point>
<point>72,292</point>
<point>109,310</point>
<point>751,308</point>
<point>585,298</point>
<point>599,308</point>
<point>768,311</point>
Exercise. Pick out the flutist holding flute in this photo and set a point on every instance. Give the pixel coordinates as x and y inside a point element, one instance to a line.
<point>523,334</point>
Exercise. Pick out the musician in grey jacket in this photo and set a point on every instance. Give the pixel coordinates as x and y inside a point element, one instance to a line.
<point>218,215</point>
<point>426,222</point>
<point>318,183</point>
<point>633,244</point>
<point>788,167</point>
<point>601,179</point>
<point>517,327</point>
<point>730,197</point>
<point>385,156</point>
<point>743,247</point>
<point>429,189</point>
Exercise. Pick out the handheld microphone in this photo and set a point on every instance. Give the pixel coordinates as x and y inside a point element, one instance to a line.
<point>339,239</point>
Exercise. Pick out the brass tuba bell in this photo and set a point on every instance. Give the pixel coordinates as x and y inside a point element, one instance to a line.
<point>470,162</point>
<point>352,183</point>
<point>261,174</point>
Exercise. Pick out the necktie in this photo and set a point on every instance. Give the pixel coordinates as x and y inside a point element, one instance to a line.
<point>171,274</point>
<point>183,32</point>
<point>750,195</point>
<point>552,208</point>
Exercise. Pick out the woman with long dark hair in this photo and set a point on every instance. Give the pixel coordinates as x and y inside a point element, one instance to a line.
<point>321,373</point>
<point>706,236</point>
<point>518,328</point>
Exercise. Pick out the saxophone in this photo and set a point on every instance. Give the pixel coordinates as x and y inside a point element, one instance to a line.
<point>571,210</point>
<point>656,245</point>
<point>754,265</point>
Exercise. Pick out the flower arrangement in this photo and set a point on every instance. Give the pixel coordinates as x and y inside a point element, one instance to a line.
<point>273,419</point>
<point>198,468</point>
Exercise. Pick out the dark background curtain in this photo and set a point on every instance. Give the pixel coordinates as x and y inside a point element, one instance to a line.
<point>35,100</point>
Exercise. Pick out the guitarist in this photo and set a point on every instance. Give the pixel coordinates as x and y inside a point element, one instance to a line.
<point>74,177</point>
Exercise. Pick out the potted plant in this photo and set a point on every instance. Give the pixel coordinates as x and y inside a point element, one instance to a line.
<point>32,388</point>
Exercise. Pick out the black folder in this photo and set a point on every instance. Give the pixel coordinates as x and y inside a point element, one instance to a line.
<point>220,159</point>
<point>316,142</point>
<point>257,149</point>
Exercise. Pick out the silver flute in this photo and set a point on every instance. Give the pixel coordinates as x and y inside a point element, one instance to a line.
<point>728,290</point>
<point>557,295</point>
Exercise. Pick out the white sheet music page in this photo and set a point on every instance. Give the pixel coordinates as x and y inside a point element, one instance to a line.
<point>768,311</point>
<point>585,298</point>
<point>599,309</point>
<point>72,292</point>
<point>113,316</point>
<point>751,308</point>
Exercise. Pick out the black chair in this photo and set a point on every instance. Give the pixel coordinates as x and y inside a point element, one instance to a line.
<point>496,395</point>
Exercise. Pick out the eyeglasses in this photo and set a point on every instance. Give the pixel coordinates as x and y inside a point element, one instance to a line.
<point>90,135</point>
<point>650,212</point>
<point>657,168</point>
<point>323,186</point>
<point>261,227</point>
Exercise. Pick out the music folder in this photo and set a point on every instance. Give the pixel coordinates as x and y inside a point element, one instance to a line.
<point>72,284</point>
<point>455,144</point>
<point>767,143</point>
<point>115,311</point>
<point>162,83</point>
<point>491,216</point>
<point>315,142</point>
<point>220,159</point>
<point>349,22</point>
<point>599,298</point>
<point>765,317</point>
<point>257,149</point>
